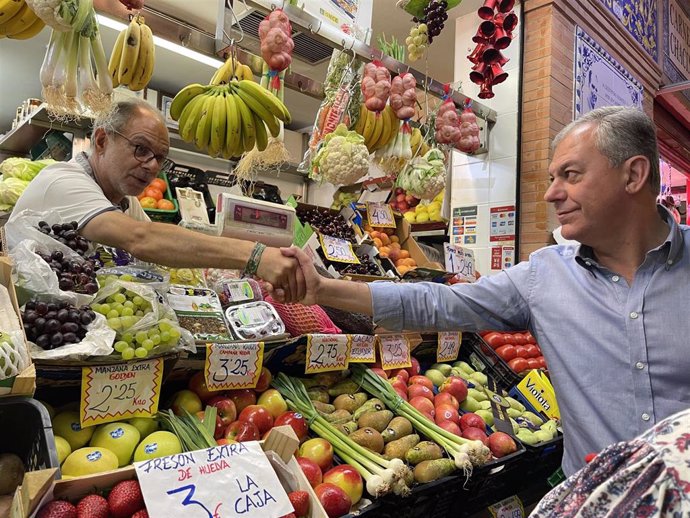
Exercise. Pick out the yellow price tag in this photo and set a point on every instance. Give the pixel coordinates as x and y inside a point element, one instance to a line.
<point>233,365</point>
<point>380,215</point>
<point>448,347</point>
<point>362,349</point>
<point>327,353</point>
<point>336,249</point>
<point>395,352</point>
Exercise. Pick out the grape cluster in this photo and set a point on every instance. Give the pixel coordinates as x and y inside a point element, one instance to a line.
<point>435,17</point>
<point>139,344</point>
<point>73,275</point>
<point>123,309</point>
<point>417,41</point>
<point>50,325</point>
<point>67,234</point>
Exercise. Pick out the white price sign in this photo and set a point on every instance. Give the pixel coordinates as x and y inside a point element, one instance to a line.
<point>221,482</point>
<point>460,261</point>
<point>115,392</point>
<point>380,215</point>
<point>511,507</point>
<point>327,353</point>
<point>448,346</point>
<point>395,352</point>
<point>336,249</point>
<point>233,365</point>
<point>362,349</point>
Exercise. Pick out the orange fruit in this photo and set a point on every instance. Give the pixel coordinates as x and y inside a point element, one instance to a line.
<point>159,184</point>
<point>395,245</point>
<point>152,192</point>
<point>165,204</point>
<point>377,242</point>
<point>385,240</point>
<point>404,254</point>
<point>395,239</point>
<point>147,202</point>
<point>402,269</point>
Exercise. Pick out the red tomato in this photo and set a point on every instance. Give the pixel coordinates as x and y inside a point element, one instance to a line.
<point>519,339</point>
<point>507,352</point>
<point>484,333</point>
<point>518,364</point>
<point>520,351</point>
<point>154,193</point>
<point>533,363</point>
<point>508,338</point>
<point>494,339</point>
<point>542,362</point>
<point>530,338</point>
<point>531,351</point>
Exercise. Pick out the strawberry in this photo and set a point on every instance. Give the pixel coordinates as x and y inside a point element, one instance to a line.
<point>92,506</point>
<point>141,514</point>
<point>300,501</point>
<point>125,499</point>
<point>57,509</point>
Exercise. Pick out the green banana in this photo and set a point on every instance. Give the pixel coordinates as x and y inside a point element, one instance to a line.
<point>183,97</point>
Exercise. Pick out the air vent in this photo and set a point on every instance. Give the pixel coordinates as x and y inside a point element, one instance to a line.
<point>307,49</point>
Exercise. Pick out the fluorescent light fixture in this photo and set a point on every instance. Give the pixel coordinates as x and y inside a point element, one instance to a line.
<point>160,42</point>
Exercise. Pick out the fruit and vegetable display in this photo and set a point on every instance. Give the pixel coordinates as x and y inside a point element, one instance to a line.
<point>326,221</point>
<point>378,129</point>
<point>50,325</point>
<point>133,57</point>
<point>422,211</point>
<point>519,350</point>
<point>376,86</point>
<point>153,197</point>
<point>429,17</point>
<point>342,159</point>
<point>425,176</point>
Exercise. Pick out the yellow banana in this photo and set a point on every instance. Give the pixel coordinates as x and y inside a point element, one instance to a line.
<point>115,57</point>
<point>246,73</point>
<point>202,134</point>
<point>267,99</point>
<point>247,121</point>
<point>359,127</point>
<point>190,115</point>
<point>19,22</point>
<point>378,129</point>
<point>218,125</point>
<point>395,126</point>
<point>261,110</point>
<point>261,133</point>
<point>385,131</point>
<point>183,97</point>
<point>225,72</point>
<point>233,130</point>
<point>31,31</point>
<point>145,59</point>
<point>8,9</point>
<point>368,128</point>
<point>130,52</point>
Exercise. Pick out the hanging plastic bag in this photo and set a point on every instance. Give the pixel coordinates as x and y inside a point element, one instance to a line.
<point>14,356</point>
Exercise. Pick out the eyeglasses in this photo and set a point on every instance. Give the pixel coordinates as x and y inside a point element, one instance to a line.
<point>142,153</point>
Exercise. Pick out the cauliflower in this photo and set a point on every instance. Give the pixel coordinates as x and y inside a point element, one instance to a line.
<point>61,15</point>
<point>343,158</point>
<point>425,177</point>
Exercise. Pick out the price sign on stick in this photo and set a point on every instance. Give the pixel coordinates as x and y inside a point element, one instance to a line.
<point>221,482</point>
<point>380,215</point>
<point>362,349</point>
<point>327,353</point>
<point>234,365</point>
<point>115,392</point>
<point>395,352</point>
<point>448,346</point>
<point>336,249</point>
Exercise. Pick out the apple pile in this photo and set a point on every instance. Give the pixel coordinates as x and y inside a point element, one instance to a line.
<point>402,202</point>
<point>519,350</point>
<point>338,488</point>
<point>125,500</point>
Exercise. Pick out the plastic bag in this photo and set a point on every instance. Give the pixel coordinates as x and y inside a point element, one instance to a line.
<point>97,342</point>
<point>154,276</point>
<point>14,355</point>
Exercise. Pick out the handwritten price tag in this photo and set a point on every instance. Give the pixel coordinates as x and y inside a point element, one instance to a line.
<point>221,482</point>
<point>460,260</point>
<point>233,366</point>
<point>327,353</point>
<point>336,249</point>
<point>448,346</point>
<point>362,349</point>
<point>380,215</point>
<point>395,352</point>
<point>115,392</point>
<point>511,507</point>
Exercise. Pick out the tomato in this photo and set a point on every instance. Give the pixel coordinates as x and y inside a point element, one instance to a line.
<point>159,184</point>
<point>530,338</point>
<point>165,205</point>
<point>519,339</point>
<point>518,364</point>
<point>531,351</point>
<point>147,202</point>
<point>533,363</point>
<point>520,351</point>
<point>508,338</point>
<point>542,362</point>
<point>507,352</point>
<point>482,333</point>
<point>152,192</point>
<point>494,339</point>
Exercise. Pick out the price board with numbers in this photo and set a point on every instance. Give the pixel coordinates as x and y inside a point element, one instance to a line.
<point>510,507</point>
<point>339,250</point>
<point>380,215</point>
<point>448,347</point>
<point>362,349</point>
<point>220,482</point>
<point>395,352</point>
<point>233,365</point>
<point>460,261</point>
<point>120,391</point>
<point>327,353</point>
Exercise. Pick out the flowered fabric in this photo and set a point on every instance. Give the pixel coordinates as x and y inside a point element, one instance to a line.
<point>646,477</point>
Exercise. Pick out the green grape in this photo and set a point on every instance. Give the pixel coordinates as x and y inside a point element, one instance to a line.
<point>153,331</point>
<point>147,344</point>
<point>127,322</point>
<point>127,277</point>
<point>127,337</point>
<point>140,352</point>
<point>156,339</point>
<point>138,301</point>
<point>128,353</point>
<point>119,298</point>
<point>114,323</point>
<point>164,326</point>
<point>139,313</point>
<point>112,314</point>
<point>110,299</point>
<point>141,336</point>
<point>128,304</point>
<point>165,337</point>
<point>127,312</point>
<point>174,333</point>
<point>117,307</point>
<point>101,308</point>
<point>120,346</point>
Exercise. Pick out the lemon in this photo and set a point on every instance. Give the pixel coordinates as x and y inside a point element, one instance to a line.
<point>434,206</point>
<point>420,209</point>
<point>423,217</point>
<point>410,216</point>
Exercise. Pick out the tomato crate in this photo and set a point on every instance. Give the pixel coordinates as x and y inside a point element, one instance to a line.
<point>164,216</point>
<point>482,357</point>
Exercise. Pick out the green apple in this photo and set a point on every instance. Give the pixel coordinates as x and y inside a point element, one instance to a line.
<point>120,438</point>
<point>87,461</point>
<point>487,415</point>
<point>443,367</point>
<point>478,395</point>
<point>158,444</point>
<point>436,376</point>
<point>145,425</point>
<point>66,425</point>
<point>470,404</point>
<point>63,448</point>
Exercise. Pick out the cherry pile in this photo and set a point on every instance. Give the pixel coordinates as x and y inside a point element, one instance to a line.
<point>66,233</point>
<point>50,325</point>
<point>327,222</point>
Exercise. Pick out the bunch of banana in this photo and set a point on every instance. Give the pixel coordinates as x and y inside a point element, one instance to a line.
<point>228,119</point>
<point>131,63</point>
<point>18,21</point>
<point>232,69</point>
<point>417,143</point>
<point>377,129</point>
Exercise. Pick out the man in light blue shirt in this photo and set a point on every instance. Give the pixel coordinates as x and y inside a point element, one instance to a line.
<point>610,315</point>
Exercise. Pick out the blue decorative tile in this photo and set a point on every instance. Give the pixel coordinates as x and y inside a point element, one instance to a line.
<point>640,20</point>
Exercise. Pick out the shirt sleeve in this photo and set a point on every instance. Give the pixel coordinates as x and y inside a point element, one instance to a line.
<point>495,302</point>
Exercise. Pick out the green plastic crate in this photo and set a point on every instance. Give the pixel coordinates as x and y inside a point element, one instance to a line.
<point>165,216</point>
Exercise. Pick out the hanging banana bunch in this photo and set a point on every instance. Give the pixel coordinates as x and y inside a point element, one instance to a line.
<point>18,21</point>
<point>132,60</point>
<point>231,70</point>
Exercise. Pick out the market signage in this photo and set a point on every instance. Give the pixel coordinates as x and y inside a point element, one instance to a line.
<point>224,481</point>
<point>234,365</point>
<point>678,28</point>
<point>395,352</point>
<point>327,353</point>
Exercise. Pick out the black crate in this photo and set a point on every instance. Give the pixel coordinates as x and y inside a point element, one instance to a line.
<point>483,358</point>
<point>28,433</point>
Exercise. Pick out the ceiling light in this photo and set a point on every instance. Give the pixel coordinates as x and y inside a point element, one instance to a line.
<point>160,42</point>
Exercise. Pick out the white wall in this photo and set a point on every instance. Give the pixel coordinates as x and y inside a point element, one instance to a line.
<point>490,179</point>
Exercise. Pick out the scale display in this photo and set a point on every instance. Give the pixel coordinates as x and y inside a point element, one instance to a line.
<point>255,216</point>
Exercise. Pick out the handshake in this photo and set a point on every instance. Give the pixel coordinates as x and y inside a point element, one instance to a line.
<point>290,275</point>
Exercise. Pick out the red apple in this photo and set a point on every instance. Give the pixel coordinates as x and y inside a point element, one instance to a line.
<point>197,384</point>
<point>429,416</point>
<point>220,426</point>
<point>273,401</point>
<point>380,372</point>
<point>222,441</point>
<point>334,500</point>
<point>456,386</point>
<point>446,398</point>
<point>472,420</point>
<point>417,390</point>
<point>241,431</point>
<point>402,393</point>
<point>186,400</point>
<point>264,380</point>
<point>319,450</point>
<point>447,413</point>
<point>348,479</point>
<point>242,398</point>
<point>402,374</point>
<point>259,415</point>
<point>475,434</point>
<point>294,419</point>
<point>501,444</point>
<point>423,404</point>
<point>398,384</point>
<point>403,205</point>
<point>399,190</point>
<point>226,409</point>
<point>311,470</point>
<point>450,426</point>
<point>415,368</point>
<point>421,380</point>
